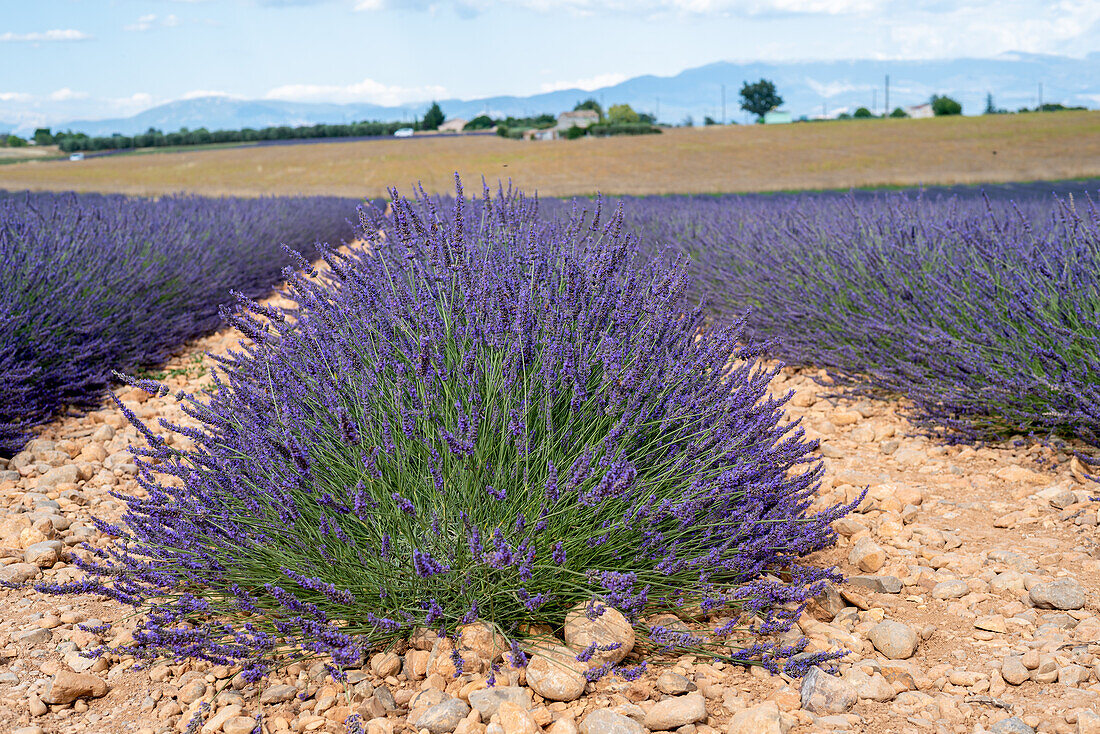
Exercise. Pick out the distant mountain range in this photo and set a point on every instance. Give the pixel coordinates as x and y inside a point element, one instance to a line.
<point>808,88</point>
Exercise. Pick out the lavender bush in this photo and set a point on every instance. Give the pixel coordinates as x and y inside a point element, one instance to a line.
<point>983,313</point>
<point>92,283</point>
<point>486,415</point>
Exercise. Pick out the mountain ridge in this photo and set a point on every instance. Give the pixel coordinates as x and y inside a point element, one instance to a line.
<point>808,88</point>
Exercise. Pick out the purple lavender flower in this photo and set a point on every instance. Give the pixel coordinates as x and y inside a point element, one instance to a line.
<point>541,418</point>
<point>91,283</point>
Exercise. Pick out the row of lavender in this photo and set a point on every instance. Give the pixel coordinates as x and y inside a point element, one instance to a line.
<point>94,283</point>
<point>982,312</point>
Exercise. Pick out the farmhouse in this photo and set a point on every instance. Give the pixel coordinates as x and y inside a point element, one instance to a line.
<point>920,111</point>
<point>454,125</point>
<point>577,118</point>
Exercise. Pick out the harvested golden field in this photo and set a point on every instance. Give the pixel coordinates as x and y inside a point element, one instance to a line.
<point>824,155</point>
<point>14,155</point>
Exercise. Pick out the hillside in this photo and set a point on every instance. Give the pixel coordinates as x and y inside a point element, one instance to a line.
<point>824,155</point>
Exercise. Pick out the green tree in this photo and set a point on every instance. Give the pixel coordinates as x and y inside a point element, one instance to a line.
<point>590,104</point>
<point>990,108</point>
<point>433,118</point>
<point>708,120</point>
<point>899,112</point>
<point>575,132</point>
<point>621,114</point>
<point>42,136</point>
<point>759,98</point>
<point>481,122</point>
<point>862,113</point>
<point>14,141</point>
<point>943,106</point>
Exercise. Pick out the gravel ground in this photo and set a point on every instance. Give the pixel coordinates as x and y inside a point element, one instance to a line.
<point>971,606</point>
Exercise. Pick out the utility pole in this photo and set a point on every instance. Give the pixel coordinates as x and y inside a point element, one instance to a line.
<point>723,120</point>
<point>886,106</point>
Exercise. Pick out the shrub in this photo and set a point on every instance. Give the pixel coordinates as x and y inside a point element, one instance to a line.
<point>945,106</point>
<point>490,415</point>
<point>481,122</point>
<point>862,113</point>
<point>635,128</point>
<point>574,132</point>
<point>94,283</point>
<point>899,112</point>
<point>512,133</point>
<point>622,114</point>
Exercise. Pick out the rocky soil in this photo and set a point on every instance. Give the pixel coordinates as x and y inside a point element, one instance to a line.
<point>971,606</point>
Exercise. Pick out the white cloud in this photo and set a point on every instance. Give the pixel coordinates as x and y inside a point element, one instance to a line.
<point>197,93</point>
<point>832,89</point>
<point>972,30</point>
<point>65,94</point>
<point>587,83</point>
<point>640,7</point>
<point>147,22</point>
<point>15,97</point>
<point>67,34</point>
<point>367,90</point>
<point>143,23</point>
<point>129,105</point>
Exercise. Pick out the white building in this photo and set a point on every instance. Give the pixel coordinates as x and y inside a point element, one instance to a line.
<point>920,111</point>
<point>577,118</point>
<point>454,125</point>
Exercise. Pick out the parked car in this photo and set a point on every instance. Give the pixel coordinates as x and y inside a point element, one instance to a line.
<point>76,157</point>
<point>403,132</point>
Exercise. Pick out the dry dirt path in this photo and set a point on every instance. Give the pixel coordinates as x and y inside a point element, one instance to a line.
<point>972,606</point>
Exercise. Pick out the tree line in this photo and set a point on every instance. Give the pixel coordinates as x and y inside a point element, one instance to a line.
<point>757,98</point>
<point>152,138</point>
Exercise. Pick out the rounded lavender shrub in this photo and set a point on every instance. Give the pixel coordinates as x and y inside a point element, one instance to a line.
<point>484,415</point>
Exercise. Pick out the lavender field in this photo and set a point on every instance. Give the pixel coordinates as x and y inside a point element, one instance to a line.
<point>93,283</point>
<point>978,307</point>
<point>515,425</point>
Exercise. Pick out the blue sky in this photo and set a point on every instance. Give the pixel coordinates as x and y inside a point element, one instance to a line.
<point>111,58</point>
